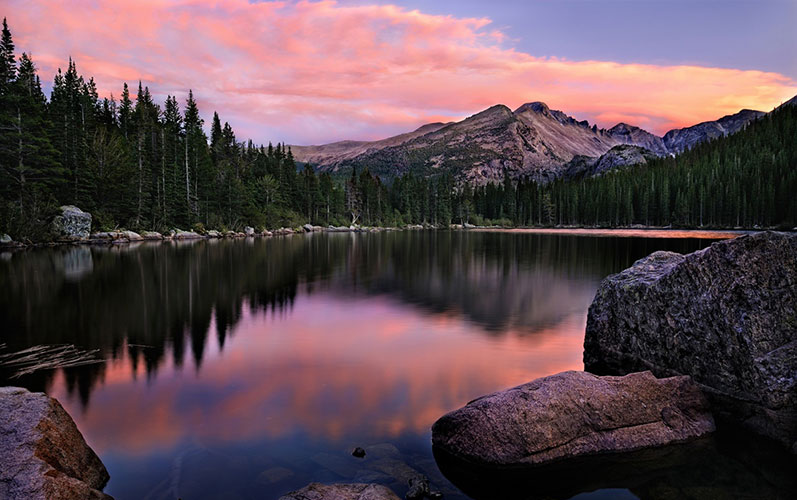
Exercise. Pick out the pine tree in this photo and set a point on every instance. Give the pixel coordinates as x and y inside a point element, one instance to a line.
<point>8,68</point>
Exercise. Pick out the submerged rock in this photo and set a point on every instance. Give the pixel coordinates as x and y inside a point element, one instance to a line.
<point>726,315</point>
<point>418,488</point>
<point>72,223</point>
<point>318,491</point>
<point>574,414</point>
<point>274,475</point>
<point>44,456</point>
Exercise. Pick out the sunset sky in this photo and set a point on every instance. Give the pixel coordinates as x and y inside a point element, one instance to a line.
<point>313,72</point>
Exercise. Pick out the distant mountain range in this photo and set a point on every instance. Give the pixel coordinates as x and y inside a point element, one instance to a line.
<point>532,141</point>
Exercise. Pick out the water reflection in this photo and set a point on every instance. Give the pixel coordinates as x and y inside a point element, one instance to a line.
<point>249,358</point>
<point>729,465</point>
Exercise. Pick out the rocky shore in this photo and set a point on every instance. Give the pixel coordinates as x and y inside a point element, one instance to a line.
<point>73,227</point>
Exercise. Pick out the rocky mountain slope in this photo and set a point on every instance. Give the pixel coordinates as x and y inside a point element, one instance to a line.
<point>532,141</point>
<point>679,140</point>
<point>618,156</point>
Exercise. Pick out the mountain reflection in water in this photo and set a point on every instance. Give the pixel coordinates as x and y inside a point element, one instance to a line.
<point>230,359</point>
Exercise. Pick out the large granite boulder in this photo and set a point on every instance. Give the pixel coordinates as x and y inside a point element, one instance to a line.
<point>573,414</point>
<point>42,453</point>
<point>318,491</point>
<point>72,223</point>
<point>726,315</point>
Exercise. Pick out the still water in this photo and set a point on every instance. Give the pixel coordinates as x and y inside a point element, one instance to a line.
<point>248,368</point>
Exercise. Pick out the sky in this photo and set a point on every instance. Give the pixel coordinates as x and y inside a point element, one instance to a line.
<point>311,72</point>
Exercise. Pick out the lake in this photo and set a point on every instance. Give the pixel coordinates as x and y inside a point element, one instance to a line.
<point>248,368</point>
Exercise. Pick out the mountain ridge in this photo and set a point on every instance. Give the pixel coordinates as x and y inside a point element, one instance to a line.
<point>533,141</point>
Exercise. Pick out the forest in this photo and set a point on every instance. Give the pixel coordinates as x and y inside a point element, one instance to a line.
<point>135,164</point>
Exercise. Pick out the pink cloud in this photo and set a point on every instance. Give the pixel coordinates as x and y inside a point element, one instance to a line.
<point>310,72</point>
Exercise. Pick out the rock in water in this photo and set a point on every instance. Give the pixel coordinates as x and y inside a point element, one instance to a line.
<point>574,414</point>
<point>726,315</point>
<point>73,223</point>
<point>42,453</point>
<point>317,491</point>
<point>418,488</point>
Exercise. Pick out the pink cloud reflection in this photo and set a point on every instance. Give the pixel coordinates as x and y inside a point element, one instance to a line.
<point>324,371</point>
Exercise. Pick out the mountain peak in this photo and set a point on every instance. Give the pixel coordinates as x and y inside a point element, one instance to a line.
<point>623,128</point>
<point>536,106</point>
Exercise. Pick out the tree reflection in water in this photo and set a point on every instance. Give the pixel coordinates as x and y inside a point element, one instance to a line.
<point>152,299</point>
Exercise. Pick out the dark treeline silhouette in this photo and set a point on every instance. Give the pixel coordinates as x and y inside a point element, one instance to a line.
<point>155,302</point>
<point>133,163</point>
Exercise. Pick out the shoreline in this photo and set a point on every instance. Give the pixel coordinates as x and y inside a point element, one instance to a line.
<point>122,237</point>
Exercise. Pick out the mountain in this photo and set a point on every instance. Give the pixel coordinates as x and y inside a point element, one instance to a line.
<point>532,141</point>
<point>629,134</point>
<point>339,152</point>
<point>679,140</point>
<point>618,156</point>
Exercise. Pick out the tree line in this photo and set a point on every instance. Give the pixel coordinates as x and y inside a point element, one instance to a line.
<point>133,163</point>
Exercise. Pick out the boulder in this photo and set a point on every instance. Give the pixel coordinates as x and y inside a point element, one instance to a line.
<point>468,226</point>
<point>186,235</point>
<point>151,235</point>
<point>249,231</point>
<point>214,234</point>
<point>104,235</point>
<point>7,242</point>
<point>574,414</point>
<point>130,235</point>
<point>308,228</point>
<point>318,491</point>
<point>44,456</point>
<point>72,223</point>
<point>266,232</point>
<point>726,315</point>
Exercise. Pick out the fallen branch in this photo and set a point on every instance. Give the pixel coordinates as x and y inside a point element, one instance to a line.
<point>46,357</point>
